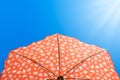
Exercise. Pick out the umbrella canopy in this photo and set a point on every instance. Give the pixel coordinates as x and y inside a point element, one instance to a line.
<point>59,57</point>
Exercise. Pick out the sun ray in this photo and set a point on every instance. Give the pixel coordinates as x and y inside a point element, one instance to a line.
<point>107,16</point>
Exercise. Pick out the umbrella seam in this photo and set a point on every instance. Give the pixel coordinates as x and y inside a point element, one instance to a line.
<point>37,63</point>
<point>58,53</point>
<point>83,61</point>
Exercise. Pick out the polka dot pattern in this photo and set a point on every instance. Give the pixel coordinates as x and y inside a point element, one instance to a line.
<point>96,68</point>
<point>40,61</point>
<point>20,68</point>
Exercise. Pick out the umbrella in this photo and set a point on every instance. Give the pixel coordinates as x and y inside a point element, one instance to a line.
<point>0,75</point>
<point>59,57</point>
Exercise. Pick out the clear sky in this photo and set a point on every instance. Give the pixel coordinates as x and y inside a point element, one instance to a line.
<point>92,21</point>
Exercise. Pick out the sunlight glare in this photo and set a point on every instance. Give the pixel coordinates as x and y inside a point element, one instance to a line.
<point>108,14</point>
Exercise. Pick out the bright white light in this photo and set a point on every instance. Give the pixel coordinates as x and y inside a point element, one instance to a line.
<point>108,13</point>
<point>111,11</point>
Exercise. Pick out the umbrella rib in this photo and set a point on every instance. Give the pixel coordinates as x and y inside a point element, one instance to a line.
<point>70,78</point>
<point>58,53</point>
<point>37,63</point>
<point>76,79</point>
<point>83,61</point>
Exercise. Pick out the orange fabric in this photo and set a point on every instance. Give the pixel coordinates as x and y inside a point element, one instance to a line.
<point>40,61</point>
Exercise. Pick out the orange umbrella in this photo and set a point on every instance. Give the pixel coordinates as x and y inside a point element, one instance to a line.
<point>0,75</point>
<point>59,57</point>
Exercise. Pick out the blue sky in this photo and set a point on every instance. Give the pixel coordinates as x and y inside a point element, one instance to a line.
<point>92,21</point>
